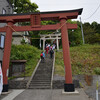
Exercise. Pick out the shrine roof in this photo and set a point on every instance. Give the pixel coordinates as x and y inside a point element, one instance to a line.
<point>44,16</point>
<point>47,12</point>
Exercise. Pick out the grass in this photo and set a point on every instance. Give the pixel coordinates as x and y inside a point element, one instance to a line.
<point>85,59</point>
<point>26,52</point>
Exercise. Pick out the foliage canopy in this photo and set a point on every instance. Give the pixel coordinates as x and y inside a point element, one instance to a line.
<point>24,6</point>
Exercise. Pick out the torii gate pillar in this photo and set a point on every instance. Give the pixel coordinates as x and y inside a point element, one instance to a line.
<point>57,42</point>
<point>68,86</point>
<point>43,44</point>
<point>6,56</point>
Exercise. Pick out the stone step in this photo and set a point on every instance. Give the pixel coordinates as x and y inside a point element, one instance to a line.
<point>36,75</point>
<point>40,87</point>
<point>42,77</point>
<point>43,73</point>
<point>38,84</point>
<point>41,81</point>
<point>44,70</point>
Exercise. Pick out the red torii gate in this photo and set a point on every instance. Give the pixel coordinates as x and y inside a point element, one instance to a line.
<point>35,19</point>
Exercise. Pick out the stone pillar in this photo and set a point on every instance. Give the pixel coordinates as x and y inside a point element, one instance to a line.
<point>6,56</point>
<point>43,44</point>
<point>40,43</point>
<point>57,43</point>
<point>68,86</point>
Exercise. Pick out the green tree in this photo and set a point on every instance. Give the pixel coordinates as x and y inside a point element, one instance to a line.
<point>94,38</point>
<point>92,32</point>
<point>96,27</point>
<point>88,32</point>
<point>75,36</point>
<point>35,38</point>
<point>24,6</point>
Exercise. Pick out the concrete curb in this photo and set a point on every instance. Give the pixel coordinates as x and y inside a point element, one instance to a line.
<point>52,71</point>
<point>12,94</point>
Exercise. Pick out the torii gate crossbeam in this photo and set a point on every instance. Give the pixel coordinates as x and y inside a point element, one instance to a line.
<point>43,27</point>
<point>35,19</point>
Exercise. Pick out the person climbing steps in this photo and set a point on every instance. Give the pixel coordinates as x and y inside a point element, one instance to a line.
<point>51,53</point>
<point>42,55</point>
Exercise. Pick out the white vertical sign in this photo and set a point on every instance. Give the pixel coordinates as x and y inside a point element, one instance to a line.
<point>2,41</point>
<point>1,80</point>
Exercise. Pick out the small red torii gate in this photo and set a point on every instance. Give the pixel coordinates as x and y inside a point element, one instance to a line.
<point>35,19</point>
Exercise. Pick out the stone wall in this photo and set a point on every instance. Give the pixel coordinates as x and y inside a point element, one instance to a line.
<point>17,68</point>
<point>18,83</point>
<point>58,81</point>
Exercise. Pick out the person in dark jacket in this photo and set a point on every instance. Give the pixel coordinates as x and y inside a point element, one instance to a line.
<point>51,53</point>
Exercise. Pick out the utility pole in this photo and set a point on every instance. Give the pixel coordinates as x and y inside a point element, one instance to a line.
<point>82,31</point>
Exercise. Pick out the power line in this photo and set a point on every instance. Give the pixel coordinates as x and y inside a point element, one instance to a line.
<point>93,13</point>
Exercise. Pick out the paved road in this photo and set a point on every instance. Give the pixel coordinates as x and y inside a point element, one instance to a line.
<point>47,94</point>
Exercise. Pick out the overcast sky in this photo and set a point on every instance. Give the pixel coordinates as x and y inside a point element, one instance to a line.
<point>89,7</point>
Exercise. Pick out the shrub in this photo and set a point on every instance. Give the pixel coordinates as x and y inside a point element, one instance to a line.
<point>26,52</point>
<point>84,59</point>
<point>97,70</point>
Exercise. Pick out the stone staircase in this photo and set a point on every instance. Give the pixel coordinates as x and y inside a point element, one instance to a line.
<point>43,74</point>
